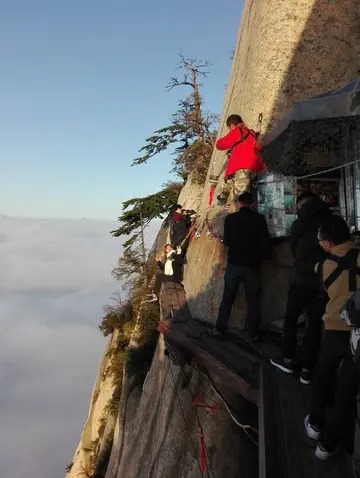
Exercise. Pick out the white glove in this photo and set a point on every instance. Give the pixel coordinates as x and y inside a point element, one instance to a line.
<point>178,250</point>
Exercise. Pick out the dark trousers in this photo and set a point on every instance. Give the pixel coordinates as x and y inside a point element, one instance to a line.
<point>356,455</point>
<point>234,276</point>
<point>160,278</point>
<point>334,390</point>
<point>300,299</point>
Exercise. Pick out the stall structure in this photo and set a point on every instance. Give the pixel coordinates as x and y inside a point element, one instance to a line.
<point>315,148</point>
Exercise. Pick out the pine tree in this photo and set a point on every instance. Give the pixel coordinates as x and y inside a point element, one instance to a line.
<point>144,210</point>
<point>191,131</point>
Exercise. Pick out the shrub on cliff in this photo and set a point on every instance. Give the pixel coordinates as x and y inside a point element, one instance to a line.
<point>116,316</point>
<point>139,212</point>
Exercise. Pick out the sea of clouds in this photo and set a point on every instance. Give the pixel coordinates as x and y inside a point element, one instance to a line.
<point>55,278</point>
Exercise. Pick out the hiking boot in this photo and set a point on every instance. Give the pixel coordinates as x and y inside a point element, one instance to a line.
<point>312,431</point>
<point>322,453</point>
<point>286,366</point>
<point>216,333</point>
<point>306,376</point>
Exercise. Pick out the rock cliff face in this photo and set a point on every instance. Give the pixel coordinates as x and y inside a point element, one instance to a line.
<point>161,429</point>
<point>286,51</point>
<point>94,430</point>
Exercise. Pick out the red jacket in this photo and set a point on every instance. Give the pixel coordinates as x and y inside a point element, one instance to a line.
<point>245,155</point>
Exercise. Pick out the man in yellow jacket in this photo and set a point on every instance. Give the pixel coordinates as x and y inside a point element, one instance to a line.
<point>335,360</point>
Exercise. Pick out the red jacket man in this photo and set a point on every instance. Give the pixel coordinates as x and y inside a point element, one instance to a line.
<point>244,154</point>
<point>244,159</point>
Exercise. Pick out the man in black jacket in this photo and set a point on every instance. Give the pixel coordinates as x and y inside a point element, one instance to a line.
<point>247,238</point>
<point>305,292</point>
<point>179,228</point>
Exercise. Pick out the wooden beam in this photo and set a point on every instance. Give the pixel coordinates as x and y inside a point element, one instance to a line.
<point>233,380</point>
<point>272,450</point>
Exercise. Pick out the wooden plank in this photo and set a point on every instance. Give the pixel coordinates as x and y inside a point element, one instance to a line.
<point>173,302</point>
<point>235,358</point>
<point>284,449</point>
<point>240,353</point>
<point>232,379</point>
<point>299,448</point>
<point>272,461</point>
<point>266,348</point>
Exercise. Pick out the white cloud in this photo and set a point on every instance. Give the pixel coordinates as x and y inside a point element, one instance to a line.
<point>55,278</point>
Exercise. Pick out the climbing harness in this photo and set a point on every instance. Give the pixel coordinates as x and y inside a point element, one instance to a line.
<point>243,137</point>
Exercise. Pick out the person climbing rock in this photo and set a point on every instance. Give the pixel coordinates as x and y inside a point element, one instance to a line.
<point>247,238</point>
<point>244,160</point>
<point>179,228</point>
<point>332,412</point>
<point>306,292</point>
<point>170,265</point>
<point>187,217</point>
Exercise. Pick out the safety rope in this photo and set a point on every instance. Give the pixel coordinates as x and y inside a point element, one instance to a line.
<point>245,427</point>
<point>199,402</point>
<point>187,236</point>
<point>204,459</point>
<point>327,170</point>
<point>185,422</point>
<point>210,229</point>
<point>310,175</point>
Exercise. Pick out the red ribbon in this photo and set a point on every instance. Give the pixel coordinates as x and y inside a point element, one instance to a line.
<point>201,403</point>
<point>202,451</point>
<point>211,195</point>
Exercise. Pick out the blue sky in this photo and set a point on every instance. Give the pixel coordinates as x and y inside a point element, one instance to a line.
<point>82,86</point>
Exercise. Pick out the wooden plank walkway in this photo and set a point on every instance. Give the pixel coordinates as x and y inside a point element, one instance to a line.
<point>283,405</point>
<point>272,452</point>
<point>177,324</point>
<point>284,449</point>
